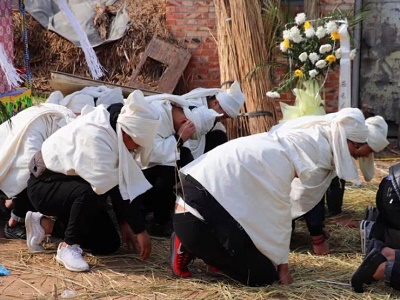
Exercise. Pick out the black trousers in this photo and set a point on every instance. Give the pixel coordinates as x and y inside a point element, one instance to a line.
<point>334,196</point>
<point>160,199</point>
<point>21,205</point>
<point>73,202</point>
<point>221,241</point>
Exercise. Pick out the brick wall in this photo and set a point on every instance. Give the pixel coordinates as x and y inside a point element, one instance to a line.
<point>193,23</point>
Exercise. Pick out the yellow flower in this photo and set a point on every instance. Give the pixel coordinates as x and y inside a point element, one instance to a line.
<point>286,43</point>
<point>335,35</point>
<point>330,58</point>
<point>298,73</point>
<point>307,25</point>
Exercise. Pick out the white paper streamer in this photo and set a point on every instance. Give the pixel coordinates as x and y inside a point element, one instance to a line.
<point>93,63</point>
<point>345,68</point>
<point>12,76</point>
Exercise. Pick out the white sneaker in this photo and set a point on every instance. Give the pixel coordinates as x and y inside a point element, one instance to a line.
<point>71,258</point>
<point>34,231</point>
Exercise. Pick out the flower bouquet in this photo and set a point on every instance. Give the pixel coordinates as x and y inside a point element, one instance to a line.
<point>313,49</point>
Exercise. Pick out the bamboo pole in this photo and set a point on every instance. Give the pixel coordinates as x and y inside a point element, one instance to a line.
<point>241,48</point>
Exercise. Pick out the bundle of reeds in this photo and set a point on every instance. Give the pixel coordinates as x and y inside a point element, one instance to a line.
<point>243,46</point>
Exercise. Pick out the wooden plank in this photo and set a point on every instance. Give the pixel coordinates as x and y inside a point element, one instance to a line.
<point>171,57</point>
<point>68,84</point>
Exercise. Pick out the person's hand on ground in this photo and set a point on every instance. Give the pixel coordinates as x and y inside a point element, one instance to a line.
<point>127,235</point>
<point>284,275</point>
<point>144,242</point>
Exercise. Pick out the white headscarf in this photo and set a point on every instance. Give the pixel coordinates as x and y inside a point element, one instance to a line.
<point>140,121</point>
<point>77,100</point>
<point>377,140</point>
<point>348,123</point>
<point>231,100</point>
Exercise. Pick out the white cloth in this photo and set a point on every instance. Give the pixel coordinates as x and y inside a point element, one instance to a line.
<point>88,147</point>
<point>251,177</point>
<point>165,145</point>
<point>87,96</point>
<point>231,100</point>
<point>22,138</point>
<point>140,121</point>
<point>377,140</point>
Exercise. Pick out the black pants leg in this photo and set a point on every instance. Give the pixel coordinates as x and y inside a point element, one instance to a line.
<point>315,219</point>
<point>21,205</point>
<point>75,203</point>
<point>161,197</point>
<point>334,196</point>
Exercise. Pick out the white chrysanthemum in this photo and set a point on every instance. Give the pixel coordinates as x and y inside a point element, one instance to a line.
<point>282,47</point>
<point>325,48</point>
<point>321,32</point>
<point>309,32</point>
<point>321,64</point>
<point>338,54</point>
<point>303,57</point>
<point>271,94</point>
<point>313,73</point>
<point>286,34</point>
<point>295,34</point>
<point>353,54</point>
<point>300,18</point>
<point>331,27</point>
<point>313,57</point>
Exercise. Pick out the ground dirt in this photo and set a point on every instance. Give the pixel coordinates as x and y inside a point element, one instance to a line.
<point>125,276</point>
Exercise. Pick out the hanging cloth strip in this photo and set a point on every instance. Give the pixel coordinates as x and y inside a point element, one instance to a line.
<point>24,30</point>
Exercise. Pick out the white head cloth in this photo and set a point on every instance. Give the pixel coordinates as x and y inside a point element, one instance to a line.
<point>231,100</point>
<point>377,140</point>
<point>202,117</point>
<point>348,123</point>
<point>77,100</point>
<point>140,121</point>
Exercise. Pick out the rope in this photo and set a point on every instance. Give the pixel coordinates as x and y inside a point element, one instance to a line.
<point>25,41</point>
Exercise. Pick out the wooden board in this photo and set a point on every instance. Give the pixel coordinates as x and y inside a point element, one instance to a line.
<point>68,84</point>
<point>172,62</point>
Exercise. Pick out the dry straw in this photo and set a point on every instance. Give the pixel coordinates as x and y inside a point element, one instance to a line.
<point>242,47</point>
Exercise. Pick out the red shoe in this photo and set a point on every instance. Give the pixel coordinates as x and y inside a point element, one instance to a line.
<point>180,258</point>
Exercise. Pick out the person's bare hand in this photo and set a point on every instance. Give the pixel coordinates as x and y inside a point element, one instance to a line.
<point>127,236</point>
<point>284,275</point>
<point>186,130</point>
<point>144,242</point>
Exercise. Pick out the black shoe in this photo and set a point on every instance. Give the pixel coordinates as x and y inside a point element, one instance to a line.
<point>17,232</point>
<point>365,272</point>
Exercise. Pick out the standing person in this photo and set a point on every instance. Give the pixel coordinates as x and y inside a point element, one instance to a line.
<point>20,139</point>
<point>190,126</point>
<point>235,207</point>
<point>78,168</point>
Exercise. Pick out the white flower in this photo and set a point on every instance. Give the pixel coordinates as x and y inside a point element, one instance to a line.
<point>300,18</point>
<point>295,35</point>
<point>353,54</point>
<point>321,64</point>
<point>313,73</point>
<point>313,57</point>
<point>309,32</point>
<point>338,55</point>
<point>282,47</point>
<point>321,32</point>
<point>303,57</point>
<point>325,48</point>
<point>331,27</point>
<point>286,34</point>
<point>271,94</point>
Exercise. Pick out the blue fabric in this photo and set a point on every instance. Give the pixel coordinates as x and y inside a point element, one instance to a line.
<point>4,271</point>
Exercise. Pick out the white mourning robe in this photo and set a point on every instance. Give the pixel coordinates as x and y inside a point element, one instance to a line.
<point>88,147</point>
<point>251,178</point>
<point>22,138</point>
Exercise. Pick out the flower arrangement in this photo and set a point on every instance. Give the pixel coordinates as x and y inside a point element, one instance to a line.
<point>312,48</point>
